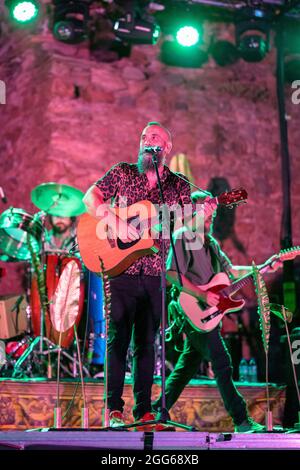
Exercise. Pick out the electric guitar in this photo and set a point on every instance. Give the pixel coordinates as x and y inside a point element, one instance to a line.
<point>97,242</point>
<point>204,318</point>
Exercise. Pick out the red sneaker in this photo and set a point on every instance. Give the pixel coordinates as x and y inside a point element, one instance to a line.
<point>116,419</point>
<point>152,427</point>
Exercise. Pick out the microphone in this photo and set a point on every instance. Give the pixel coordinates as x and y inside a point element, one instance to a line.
<point>2,195</point>
<point>153,150</point>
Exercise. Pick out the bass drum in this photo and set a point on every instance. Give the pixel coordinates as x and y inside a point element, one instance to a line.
<point>55,263</point>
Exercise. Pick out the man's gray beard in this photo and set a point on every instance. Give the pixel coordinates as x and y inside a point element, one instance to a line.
<point>145,162</point>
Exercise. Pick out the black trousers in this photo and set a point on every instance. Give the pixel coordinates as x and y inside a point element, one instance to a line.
<point>208,346</point>
<point>136,312</point>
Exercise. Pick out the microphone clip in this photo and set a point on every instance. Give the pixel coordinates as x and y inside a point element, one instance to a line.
<point>153,150</point>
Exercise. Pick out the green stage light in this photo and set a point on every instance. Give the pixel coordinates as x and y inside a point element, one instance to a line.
<point>187,36</point>
<point>23,12</point>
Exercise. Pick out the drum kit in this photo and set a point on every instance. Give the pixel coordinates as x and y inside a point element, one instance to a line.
<point>55,277</point>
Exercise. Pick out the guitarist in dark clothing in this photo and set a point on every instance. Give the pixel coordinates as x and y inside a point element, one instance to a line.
<point>200,257</point>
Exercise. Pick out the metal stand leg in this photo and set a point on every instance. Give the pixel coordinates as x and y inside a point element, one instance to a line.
<point>51,348</point>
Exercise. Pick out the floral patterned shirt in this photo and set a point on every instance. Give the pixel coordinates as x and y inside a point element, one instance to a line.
<point>124,185</point>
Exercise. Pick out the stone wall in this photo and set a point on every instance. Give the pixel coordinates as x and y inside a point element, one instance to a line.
<point>68,118</point>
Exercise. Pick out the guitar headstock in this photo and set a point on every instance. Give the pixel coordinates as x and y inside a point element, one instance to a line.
<point>289,253</point>
<point>233,198</point>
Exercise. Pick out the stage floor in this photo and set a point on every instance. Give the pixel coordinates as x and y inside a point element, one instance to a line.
<point>29,403</point>
<point>138,441</point>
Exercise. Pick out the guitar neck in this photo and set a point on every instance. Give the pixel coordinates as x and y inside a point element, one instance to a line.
<point>284,255</point>
<point>243,281</point>
<point>237,285</point>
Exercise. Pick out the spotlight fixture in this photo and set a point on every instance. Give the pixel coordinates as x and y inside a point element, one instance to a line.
<point>23,12</point>
<point>292,67</point>
<point>172,53</point>
<point>134,29</point>
<point>291,52</point>
<point>70,21</point>
<point>182,44</point>
<point>252,46</point>
<point>224,53</point>
<point>253,35</point>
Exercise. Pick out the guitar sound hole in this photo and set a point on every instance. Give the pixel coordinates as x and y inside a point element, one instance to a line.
<point>125,245</point>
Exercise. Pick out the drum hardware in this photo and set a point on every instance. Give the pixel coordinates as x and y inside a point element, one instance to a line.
<point>11,350</point>
<point>3,359</point>
<point>74,249</point>
<point>57,294</point>
<point>59,200</point>
<point>22,238</point>
<point>35,344</point>
<point>55,266</point>
<point>52,348</point>
<point>63,312</point>
<point>16,227</point>
<point>39,301</point>
<point>38,266</point>
<point>62,201</point>
<point>2,195</point>
<point>75,365</point>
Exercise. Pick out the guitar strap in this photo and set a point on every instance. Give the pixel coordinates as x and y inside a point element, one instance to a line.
<point>215,261</point>
<point>219,261</point>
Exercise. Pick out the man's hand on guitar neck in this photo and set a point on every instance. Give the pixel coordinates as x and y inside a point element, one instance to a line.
<point>271,265</point>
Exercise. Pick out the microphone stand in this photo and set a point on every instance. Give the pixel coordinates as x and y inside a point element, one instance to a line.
<point>164,416</point>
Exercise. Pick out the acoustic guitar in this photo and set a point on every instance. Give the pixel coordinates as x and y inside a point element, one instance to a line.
<point>99,247</point>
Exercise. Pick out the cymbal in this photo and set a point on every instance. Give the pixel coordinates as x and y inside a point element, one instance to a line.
<point>59,200</point>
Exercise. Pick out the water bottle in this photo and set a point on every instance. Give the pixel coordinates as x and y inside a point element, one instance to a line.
<point>252,370</point>
<point>2,354</point>
<point>74,364</point>
<point>243,370</point>
<point>90,352</point>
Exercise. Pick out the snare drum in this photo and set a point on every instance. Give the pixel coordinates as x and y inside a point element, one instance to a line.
<point>55,263</point>
<point>16,226</point>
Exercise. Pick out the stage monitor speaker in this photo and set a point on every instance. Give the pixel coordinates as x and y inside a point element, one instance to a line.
<point>12,316</point>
